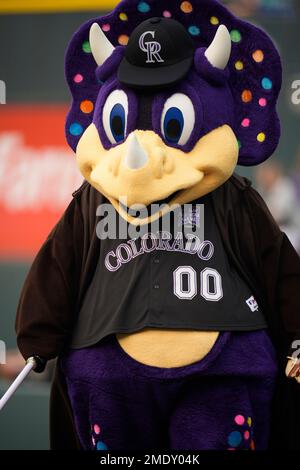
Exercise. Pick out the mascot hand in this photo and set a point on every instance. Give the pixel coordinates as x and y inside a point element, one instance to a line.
<point>293,369</point>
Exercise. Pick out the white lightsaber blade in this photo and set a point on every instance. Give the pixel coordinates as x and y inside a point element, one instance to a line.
<point>30,364</point>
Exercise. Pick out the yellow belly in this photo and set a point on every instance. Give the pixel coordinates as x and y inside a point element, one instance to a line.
<point>168,348</point>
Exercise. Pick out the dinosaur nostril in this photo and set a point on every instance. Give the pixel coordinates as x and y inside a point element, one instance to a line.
<point>169,164</point>
<point>163,163</point>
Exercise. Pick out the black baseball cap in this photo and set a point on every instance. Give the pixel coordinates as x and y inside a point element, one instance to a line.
<point>160,53</point>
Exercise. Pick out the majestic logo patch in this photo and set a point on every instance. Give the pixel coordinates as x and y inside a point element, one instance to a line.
<point>252,304</point>
<point>192,217</point>
<point>152,48</point>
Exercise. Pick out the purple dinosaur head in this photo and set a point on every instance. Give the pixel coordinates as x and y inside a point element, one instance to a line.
<point>253,74</point>
<point>170,131</point>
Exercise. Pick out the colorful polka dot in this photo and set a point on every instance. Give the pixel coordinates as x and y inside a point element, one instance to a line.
<point>123,17</point>
<point>234,439</point>
<point>93,441</point>
<point>75,129</point>
<point>97,429</point>
<point>258,56</point>
<point>267,83</point>
<point>239,65</point>
<point>86,47</point>
<point>123,39</point>
<point>249,421</point>
<point>261,137</point>
<point>86,106</point>
<point>246,435</point>
<point>239,144</point>
<point>167,14</point>
<point>235,35</point>
<point>143,7</point>
<point>101,446</point>
<point>262,102</point>
<point>239,419</point>
<point>194,30</point>
<point>186,7</point>
<point>245,123</point>
<point>78,78</point>
<point>214,20</point>
<point>252,445</point>
<point>246,96</point>
<point>106,27</point>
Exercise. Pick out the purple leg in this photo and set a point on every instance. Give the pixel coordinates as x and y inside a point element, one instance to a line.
<point>114,406</point>
<point>107,421</point>
<point>228,405</point>
<point>216,414</point>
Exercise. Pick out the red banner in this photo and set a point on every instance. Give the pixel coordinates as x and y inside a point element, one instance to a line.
<point>38,174</point>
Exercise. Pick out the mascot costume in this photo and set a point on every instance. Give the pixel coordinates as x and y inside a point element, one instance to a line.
<point>166,338</point>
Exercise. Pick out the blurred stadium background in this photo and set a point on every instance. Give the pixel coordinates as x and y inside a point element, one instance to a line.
<point>38,171</point>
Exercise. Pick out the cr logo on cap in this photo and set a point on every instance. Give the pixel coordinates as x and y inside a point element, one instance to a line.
<point>152,48</point>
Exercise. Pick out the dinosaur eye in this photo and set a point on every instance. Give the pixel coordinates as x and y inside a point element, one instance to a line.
<point>178,119</point>
<point>115,113</point>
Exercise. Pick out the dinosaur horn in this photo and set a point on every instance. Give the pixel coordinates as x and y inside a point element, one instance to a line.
<point>136,157</point>
<point>218,53</point>
<point>101,47</point>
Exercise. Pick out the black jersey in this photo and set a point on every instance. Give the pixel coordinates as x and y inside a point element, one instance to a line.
<point>167,279</point>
